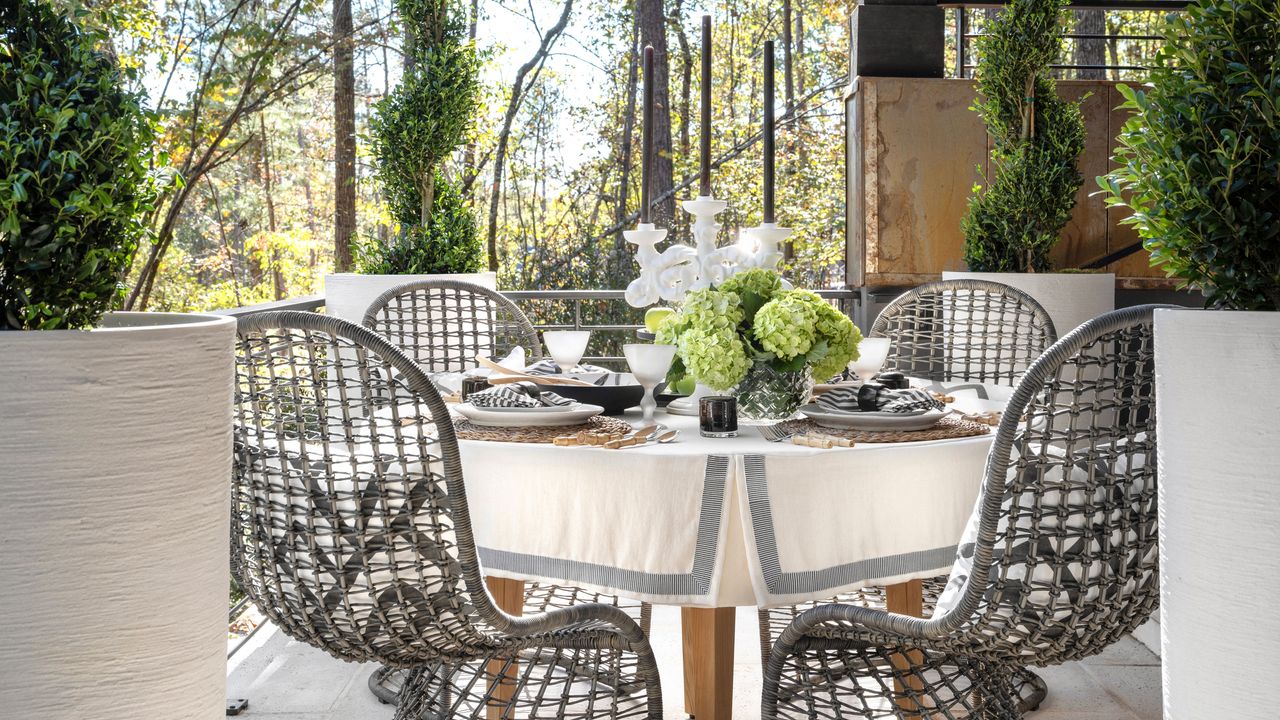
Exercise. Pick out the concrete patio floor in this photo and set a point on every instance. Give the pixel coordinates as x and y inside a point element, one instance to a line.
<point>286,680</point>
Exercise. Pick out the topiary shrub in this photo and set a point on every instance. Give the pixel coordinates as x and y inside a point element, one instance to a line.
<point>73,176</point>
<point>450,244</point>
<point>1200,157</point>
<point>1013,224</point>
<point>414,130</point>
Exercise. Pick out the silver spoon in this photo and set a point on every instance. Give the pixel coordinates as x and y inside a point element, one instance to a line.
<point>664,437</point>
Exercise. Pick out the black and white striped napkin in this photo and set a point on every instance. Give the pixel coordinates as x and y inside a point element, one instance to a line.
<point>877,398</point>
<point>517,395</point>
<point>548,366</point>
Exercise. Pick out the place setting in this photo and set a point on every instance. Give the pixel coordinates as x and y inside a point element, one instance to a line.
<point>559,400</point>
<point>867,405</point>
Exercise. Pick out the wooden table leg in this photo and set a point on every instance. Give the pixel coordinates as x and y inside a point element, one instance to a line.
<point>906,599</point>
<point>708,662</point>
<point>509,596</point>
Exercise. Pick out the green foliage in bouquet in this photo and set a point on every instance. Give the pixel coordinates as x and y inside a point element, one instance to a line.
<point>1037,137</point>
<point>720,332</point>
<point>1199,159</point>
<point>73,172</point>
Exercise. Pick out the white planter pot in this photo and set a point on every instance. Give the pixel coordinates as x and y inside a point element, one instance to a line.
<point>114,498</point>
<point>1217,390</point>
<point>1069,298</point>
<point>348,295</point>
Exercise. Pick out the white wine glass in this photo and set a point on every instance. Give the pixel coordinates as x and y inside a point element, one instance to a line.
<point>566,347</point>
<point>872,353</point>
<point>649,364</point>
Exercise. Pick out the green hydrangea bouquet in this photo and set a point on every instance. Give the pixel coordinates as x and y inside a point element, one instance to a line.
<point>749,325</point>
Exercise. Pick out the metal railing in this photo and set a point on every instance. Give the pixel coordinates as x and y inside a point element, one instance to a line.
<point>1146,43</point>
<point>604,312</point>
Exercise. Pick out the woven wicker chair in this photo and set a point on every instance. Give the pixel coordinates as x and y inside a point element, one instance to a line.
<point>972,330</point>
<point>444,324</point>
<point>953,330</point>
<point>1059,560</point>
<point>351,532</point>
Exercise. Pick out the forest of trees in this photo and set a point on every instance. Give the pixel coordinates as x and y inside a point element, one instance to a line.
<point>263,110</point>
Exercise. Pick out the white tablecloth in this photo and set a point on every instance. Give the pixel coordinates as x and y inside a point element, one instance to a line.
<point>722,522</point>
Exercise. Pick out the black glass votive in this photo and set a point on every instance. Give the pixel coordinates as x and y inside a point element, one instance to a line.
<point>718,416</point>
<point>473,384</point>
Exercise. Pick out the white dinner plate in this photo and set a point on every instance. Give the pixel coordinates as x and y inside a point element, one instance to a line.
<point>575,414</point>
<point>872,420</point>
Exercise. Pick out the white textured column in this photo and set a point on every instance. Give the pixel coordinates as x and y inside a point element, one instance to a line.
<point>1217,391</point>
<point>115,462</point>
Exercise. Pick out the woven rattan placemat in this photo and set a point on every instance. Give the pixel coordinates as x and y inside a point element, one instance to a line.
<point>466,430</point>
<point>947,428</point>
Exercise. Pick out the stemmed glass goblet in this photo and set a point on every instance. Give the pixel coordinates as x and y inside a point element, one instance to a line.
<point>566,347</point>
<point>649,363</point>
<point>872,353</point>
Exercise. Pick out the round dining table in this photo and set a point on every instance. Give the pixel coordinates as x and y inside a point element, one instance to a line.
<point>713,524</point>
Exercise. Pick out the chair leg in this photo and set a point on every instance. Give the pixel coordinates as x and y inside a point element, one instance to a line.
<point>1030,688</point>
<point>385,683</point>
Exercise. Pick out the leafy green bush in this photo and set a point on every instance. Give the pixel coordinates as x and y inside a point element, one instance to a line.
<point>1037,136</point>
<point>73,177</point>
<point>1200,157</point>
<point>450,244</point>
<point>414,130</point>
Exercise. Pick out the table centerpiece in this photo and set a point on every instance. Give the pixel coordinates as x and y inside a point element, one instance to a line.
<point>764,343</point>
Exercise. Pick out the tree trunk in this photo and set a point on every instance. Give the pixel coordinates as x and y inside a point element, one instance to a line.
<point>344,132</point>
<point>469,169</point>
<point>653,31</point>
<point>226,244</point>
<point>628,131</point>
<point>1092,51</point>
<point>799,51</point>
<point>788,68</point>
<point>681,220</point>
<point>518,90</point>
<point>277,276</point>
<point>427,191</point>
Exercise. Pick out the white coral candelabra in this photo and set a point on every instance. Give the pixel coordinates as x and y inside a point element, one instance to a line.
<point>669,274</point>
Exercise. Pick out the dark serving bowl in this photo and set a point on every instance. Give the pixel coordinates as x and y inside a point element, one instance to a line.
<point>616,393</point>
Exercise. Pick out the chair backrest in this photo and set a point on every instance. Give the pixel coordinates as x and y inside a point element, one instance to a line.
<point>972,330</point>
<point>350,527</point>
<point>1060,558</point>
<point>444,324</point>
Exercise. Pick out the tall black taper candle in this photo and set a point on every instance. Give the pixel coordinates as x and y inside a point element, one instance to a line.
<point>704,144</point>
<point>768,131</point>
<point>646,144</point>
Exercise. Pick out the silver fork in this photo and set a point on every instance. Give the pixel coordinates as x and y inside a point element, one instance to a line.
<point>775,433</point>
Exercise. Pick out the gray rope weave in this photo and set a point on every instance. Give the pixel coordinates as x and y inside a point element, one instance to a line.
<point>1060,560</point>
<point>351,532</point>
<point>444,324</point>
<point>933,331</point>
<point>972,330</point>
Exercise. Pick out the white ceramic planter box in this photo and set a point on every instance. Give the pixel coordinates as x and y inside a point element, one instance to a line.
<point>1217,391</point>
<point>114,499</point>
<point>1069,298</point>
<point>348,295</point>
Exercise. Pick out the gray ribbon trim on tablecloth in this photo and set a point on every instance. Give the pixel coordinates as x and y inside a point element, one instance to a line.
<point>782,583</point>
<point>696,582</point>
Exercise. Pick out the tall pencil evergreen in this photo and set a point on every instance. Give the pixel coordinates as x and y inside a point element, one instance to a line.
<point>1014,221</point>
<point>414,131</point>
